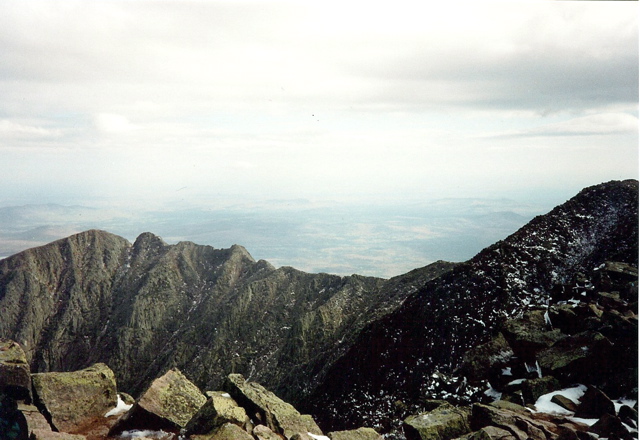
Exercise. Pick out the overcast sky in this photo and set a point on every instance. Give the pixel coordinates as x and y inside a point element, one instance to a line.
<point>190,100</point>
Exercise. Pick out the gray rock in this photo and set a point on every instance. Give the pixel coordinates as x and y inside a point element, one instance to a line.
<point>269,409</point>
<point>220,408</point>
<point>261,432</point>
<point>74,399</point>
<point>478,362</point>
<point>444,423</point>
<point>169,404</point>
<point>35,419</point>
<point>355,434</point>
<point>15,374</point>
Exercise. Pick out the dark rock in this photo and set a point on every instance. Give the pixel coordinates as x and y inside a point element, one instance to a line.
<point>532,389</point>
<point>15,374</point>
<point>444,423</point>
<point>355,434</point>
<point>71,400</point>
<point>610,426</point>
<point>529,334</point>
<point>219,409</point>
<point>564,402</point>
<point>594,404</point>
<point>13,425</point>
<point>269,409</point>
<point>478,362</point>
<point>628,415</point>
<point>168,404</point>
<point>577,358</point>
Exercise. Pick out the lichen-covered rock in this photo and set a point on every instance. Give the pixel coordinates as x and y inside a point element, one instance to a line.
<point>489,433</point>
<point>15,374</point>
<point>534,388</point>
<point>168,404</point>
<point>355,434</point>
<point>261,432</point>
<point>530,333</point>
<point>444,423</point>
<point>219,409</point>
<point>581,357</point>
<point>268,409</point>
<point>74,399</point>
<point>478,362</point>
<point>228,431</point>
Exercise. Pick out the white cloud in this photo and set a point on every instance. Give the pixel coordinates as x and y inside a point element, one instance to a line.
<point>113,123</point>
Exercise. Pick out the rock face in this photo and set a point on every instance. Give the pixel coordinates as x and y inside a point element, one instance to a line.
<point>168,404</point>
<point>267,408</point>
<point>146,307</point>
<point>443,423</point>
<point>403,356</point>
<point>349,350</point>
<point>73,399</point>
<point>15,374</point>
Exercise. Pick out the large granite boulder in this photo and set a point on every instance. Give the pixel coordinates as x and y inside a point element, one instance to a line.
<point>168,404</point>
<point>268,409</point>
<point>15,374</point>
<point>355,434</point>
<point>219,409</point>
<point>75,399</point>
<point>443,423</point>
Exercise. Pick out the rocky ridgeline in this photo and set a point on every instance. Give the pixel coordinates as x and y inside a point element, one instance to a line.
<point>84,405</point>
<point>546,375</point>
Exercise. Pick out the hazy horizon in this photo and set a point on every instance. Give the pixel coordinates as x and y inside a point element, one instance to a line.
<point>260,105</point>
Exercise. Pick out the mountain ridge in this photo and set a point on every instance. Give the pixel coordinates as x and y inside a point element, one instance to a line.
<point>331,344</point>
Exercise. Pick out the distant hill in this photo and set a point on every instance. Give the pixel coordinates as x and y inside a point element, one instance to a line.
<point>344,348</point>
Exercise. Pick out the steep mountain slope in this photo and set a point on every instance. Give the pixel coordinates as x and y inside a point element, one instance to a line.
<point>147,307</point>
<point>399,359</point>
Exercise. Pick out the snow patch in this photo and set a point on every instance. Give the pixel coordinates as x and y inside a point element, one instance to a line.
<point>227,395</point>
<point>544,404</point>
<point>120,408</point>
<point>318,437</point>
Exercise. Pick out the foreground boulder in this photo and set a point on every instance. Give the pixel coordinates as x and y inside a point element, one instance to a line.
<point>443,423</point>
<point>268,409</point>
<point>74,399</point>
<point>356,434</point>
<point>168,404</point>
<point>218,410</point>
<point>15,374</point>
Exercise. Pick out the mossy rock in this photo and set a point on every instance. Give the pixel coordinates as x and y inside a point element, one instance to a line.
<point>73,399</point>
<point>444,423</point>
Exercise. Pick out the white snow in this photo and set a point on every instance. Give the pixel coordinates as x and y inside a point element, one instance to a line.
<point>589,422</point>
<point>318,437</point>
<point>159,435</point>
<point>516,382</point>
<point>227,395</point>
<point>619,402</point>
<point>120,408</point>
<point>507,371</point>
<point>495,395</point>
<point>544,404</point>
